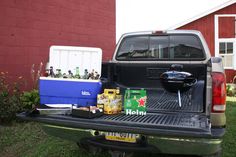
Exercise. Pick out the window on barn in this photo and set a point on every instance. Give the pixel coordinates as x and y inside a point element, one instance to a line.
<point>227,53</point>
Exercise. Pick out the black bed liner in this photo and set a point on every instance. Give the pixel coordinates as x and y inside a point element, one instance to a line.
<point>161,100</point>
<point>194,125</point>
<point>186,121</point>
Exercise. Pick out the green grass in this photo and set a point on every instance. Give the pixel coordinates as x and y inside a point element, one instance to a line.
<point>229,141</point>
<point>28,140</point>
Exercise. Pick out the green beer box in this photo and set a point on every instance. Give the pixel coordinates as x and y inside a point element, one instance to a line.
<point>135,102</point>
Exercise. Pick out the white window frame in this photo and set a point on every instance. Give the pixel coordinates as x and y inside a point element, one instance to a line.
<point>229,40</point>
<point>218,40</point>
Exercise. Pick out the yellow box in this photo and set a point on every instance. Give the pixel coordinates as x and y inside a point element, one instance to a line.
<point>110,101</point>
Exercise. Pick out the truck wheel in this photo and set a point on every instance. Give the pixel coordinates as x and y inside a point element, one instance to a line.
<point>217,154</point>
<point>82,146</point>
<point>120,154</point>
<point>89,149</point>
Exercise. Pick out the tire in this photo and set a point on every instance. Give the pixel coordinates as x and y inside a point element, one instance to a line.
<point>217,154</point>
<point>120,154</point>
<point>90,149</point>
<point>82,146</point>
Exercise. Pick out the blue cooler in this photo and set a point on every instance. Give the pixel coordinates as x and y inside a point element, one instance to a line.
<point>69,91</point>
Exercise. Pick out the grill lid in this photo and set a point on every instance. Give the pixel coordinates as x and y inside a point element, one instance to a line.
<point>176,80</point>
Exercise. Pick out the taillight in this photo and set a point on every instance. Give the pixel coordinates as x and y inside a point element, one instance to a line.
<point>218,92</point>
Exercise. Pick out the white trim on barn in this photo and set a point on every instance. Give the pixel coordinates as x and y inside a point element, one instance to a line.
<point>218,40</point>
<point>203,14</point>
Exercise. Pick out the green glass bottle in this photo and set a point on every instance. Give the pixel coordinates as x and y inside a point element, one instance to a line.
<point>77,73</point>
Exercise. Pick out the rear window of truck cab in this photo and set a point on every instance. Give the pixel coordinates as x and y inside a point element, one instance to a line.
<point>164,47</point>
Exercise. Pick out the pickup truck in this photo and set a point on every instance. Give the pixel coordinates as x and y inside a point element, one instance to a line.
<point>194,128</point>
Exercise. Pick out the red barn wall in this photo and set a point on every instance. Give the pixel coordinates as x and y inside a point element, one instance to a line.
<point>28,28</point>
<point>206,26</point>
<point>226,27</point>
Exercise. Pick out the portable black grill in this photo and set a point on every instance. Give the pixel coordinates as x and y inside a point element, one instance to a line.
<point>175,80</point>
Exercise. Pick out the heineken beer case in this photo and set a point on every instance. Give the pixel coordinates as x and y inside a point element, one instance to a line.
<point>110,101</point>
<point>135,102</point>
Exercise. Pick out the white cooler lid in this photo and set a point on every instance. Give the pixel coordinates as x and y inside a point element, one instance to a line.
<point>69,57</point>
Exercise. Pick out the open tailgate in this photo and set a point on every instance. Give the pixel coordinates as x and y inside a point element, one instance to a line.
<point>179,124</point>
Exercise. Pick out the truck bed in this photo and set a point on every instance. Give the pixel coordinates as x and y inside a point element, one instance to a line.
<point>164,116</point>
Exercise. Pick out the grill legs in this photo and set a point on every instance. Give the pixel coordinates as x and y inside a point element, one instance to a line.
<point>179,98</point>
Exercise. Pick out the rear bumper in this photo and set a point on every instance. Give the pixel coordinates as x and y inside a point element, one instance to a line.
<point>186,146</point>
<point>155,144</point>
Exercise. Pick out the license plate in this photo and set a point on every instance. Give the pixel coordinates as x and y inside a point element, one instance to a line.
<point>121,137</point>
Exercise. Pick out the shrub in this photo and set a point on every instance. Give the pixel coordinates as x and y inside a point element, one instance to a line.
<point>30,99</point>
<point>231,89</point>
<point>35,74</point>
<point>10,102</point>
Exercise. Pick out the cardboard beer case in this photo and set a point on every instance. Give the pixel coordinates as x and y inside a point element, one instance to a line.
<point>135,102</point>
<point>110,101</point>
